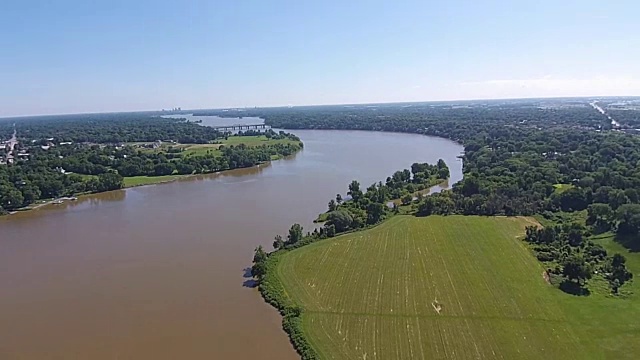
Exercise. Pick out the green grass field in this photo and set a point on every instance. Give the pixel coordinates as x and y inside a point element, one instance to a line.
<point>449,287</point>
<point>254,140</point>
<point>200,149</point>
<point>560,188</point>
<point>203,149</point>
<point>132,181</point>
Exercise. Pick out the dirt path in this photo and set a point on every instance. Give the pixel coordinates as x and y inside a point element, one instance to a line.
<point>530,221</point>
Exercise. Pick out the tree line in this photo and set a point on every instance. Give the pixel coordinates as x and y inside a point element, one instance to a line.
<point>111,129</point>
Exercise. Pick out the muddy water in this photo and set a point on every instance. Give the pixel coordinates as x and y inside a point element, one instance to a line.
<point>157,272</point>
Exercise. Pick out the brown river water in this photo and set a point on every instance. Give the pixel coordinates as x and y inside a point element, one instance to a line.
<point>157,272</point>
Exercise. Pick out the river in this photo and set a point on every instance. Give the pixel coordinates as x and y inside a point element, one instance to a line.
<point>157,272</point>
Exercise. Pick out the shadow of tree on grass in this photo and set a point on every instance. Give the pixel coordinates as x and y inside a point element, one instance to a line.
<point>574,288</point>
<point>630,242</point>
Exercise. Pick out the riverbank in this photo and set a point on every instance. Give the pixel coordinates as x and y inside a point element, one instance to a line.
<point>235,152</point>
<point>138,181</point>
<point>56,201</point>
<point>182,247</point>
<point>434,185</point>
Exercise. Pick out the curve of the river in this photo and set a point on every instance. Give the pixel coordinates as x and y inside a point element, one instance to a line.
<point>157,272</point>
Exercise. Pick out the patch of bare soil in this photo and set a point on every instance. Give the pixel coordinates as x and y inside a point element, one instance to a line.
<point>530,221</point>
<point>436,306</point>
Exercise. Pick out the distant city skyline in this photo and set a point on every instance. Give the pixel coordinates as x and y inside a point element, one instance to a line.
<point>73,56</point>
<point>180,109</point>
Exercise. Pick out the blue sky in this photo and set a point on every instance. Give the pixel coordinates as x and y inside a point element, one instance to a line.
<point>69,56</point>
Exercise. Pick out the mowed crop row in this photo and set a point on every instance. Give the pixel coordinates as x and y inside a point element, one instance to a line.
<point>421,288</point>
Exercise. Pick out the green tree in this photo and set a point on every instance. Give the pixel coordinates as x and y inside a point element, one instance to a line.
<point>629,217</point>
<point>470,185</point>
<point>443,173</point>
<point>576,269</point>
<point>573,199</point>
<point>600,216</point>
<point>184,168</point>
<point>574,237</point>
<point>338,199</point>
<point>278,242</point>
<point>617,272</point>
<point>330,230</point>
<point>109,181</point>
<point>354,190</point>
<point>259,254</point>
<point>10,197</point>
<point>259,267</point>
<point>340,219</point>
<point>332,205</point>
<point>30,194</point>
<point>295,234</point>
<point>163,168</point>
<point>443,170</point>
<point>375,211</point>
<point>617,198</point>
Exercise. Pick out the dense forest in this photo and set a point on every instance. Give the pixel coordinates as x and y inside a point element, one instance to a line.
<point>6,130</point>
<point>110,128</point>
<point>433,118</point>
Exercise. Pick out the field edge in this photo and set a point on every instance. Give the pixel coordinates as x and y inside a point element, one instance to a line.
<point>274,293</point>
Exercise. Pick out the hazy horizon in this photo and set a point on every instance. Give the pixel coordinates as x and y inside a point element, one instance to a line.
<point>117,56</point>
<point>169,109</point>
